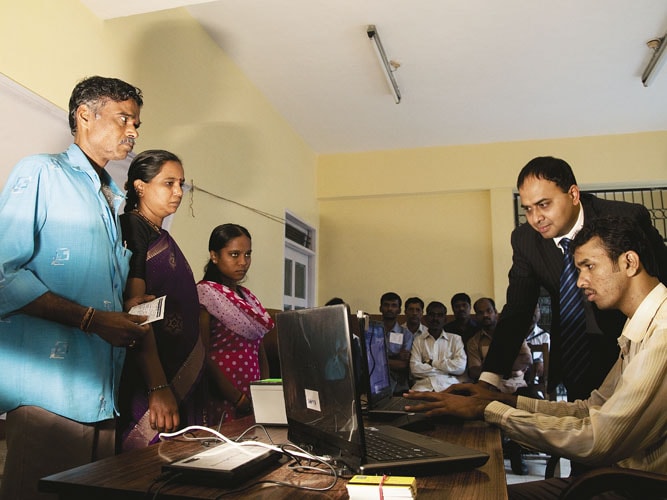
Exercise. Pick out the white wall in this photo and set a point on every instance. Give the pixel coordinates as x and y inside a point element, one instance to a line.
<point>31,125</point>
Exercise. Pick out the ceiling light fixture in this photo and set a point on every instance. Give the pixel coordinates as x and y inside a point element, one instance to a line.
<point>657,60</point>
<point>388,66</point>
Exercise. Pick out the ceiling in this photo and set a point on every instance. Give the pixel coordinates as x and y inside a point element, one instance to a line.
<point>471,71</point>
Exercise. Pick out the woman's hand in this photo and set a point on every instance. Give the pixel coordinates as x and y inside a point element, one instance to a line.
<point>243,406</point>
<point>163,410</point>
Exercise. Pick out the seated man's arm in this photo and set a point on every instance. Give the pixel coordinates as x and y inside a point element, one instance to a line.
<point>523,360</point>
<point>398,364</point>
<point>406,348</point>
<point>470,406</point>
<point>474,357</point>
<point>419,361</point>
<point>452,361</point>
<point>626,423</point>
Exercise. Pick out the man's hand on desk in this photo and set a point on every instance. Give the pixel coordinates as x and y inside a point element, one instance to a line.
<point>480,391</point>
<point>466,401</point>
<point>486,385</point>
<point>437,404</point>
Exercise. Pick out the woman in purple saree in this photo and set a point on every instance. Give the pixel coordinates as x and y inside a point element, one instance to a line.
<point>161,388</point>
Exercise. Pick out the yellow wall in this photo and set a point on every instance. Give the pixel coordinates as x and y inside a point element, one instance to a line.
<point>197,104</point>
<point>435,221</point>
<point>410,244</point>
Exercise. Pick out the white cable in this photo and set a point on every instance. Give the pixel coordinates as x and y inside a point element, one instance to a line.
<point>222,437</point>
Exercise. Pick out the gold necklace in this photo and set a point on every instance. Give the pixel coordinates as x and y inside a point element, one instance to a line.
<point>148,221</point>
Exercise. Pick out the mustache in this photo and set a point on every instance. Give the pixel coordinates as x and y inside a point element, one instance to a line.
<point>128,140</point>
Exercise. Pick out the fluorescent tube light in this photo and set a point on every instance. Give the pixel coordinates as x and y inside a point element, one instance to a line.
<point>657,60</point>
<point>382,56</point>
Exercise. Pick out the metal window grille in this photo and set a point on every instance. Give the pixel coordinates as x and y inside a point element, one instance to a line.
<point>298,235</point>
<point>654,199</point>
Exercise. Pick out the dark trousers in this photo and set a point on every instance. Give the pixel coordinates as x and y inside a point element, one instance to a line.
<point>551,489</point>
<point>41,443</point>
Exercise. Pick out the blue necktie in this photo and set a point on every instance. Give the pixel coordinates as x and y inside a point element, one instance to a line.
<point>576,351</point>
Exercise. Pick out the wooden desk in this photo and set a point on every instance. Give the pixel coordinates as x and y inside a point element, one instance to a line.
<point>132,475</point>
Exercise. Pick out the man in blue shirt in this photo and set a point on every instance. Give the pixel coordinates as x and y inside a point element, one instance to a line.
<point>63,332</point>
<point>399,342</point>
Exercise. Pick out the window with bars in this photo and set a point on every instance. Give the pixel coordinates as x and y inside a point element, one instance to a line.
<point>654,199</point>
<point>298,235</point>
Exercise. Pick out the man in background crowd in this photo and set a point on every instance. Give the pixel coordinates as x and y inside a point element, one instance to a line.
<point>399,342</point>
<point>478,347</point>
<point>463,323</point>
<point>414,310</point>
<point>438,358</point>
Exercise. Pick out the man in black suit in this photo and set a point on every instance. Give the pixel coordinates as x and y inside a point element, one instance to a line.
<point>555,208</point>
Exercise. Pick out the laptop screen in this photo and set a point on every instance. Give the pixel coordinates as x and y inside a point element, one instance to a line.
<point>376,356</point>
<point>318,380</point>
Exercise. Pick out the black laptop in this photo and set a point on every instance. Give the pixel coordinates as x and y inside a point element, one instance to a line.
<point>324,412</point>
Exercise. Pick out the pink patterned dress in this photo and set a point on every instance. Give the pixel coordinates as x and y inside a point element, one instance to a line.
<point>238,325</point>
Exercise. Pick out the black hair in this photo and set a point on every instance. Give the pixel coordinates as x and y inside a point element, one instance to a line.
<point>435,304</point>
<point>145,166</point>
<point>460,297</point>
<point>391,296</point>
<point>491,301</point>
<point>618,235</point>
<point>219,239</point>
<point>334,301</point>
<point>416,300</point>
<point>94,91</point>
<point>550,169</point>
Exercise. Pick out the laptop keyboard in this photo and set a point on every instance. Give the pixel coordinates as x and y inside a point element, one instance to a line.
<point>382,448</point>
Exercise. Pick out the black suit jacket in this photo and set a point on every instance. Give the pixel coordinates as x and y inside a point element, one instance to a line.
<point>537,262</point>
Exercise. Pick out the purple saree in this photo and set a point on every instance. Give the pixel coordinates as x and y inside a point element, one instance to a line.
<point>166,272</point>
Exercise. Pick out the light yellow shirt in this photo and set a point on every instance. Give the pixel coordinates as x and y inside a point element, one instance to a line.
<point>623,422</point>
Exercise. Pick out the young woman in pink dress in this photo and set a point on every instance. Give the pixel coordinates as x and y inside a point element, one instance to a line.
<point>232,324</point>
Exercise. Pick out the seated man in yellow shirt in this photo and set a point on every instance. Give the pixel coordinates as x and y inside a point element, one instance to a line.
<point>623,421</point>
